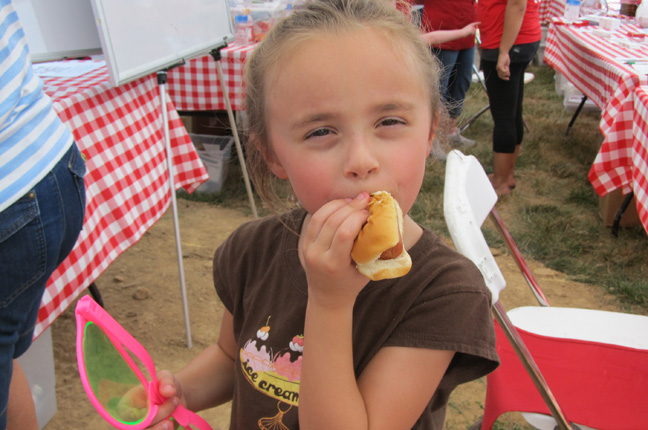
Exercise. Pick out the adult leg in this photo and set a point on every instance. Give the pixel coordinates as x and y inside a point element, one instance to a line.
<point>36,233</point>
<point>502,170</point>
<point>518,70</point>
<point>460,80</point>
<point>457,89</point>
<point>447,60</point>
<point>511,177</point>
<point>448,72</point>
<point>503,97</point>
<point>455,83</point>
<point>21,412</point>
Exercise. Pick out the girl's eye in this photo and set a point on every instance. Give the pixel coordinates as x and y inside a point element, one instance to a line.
<point>320,132</point>
<point>391,121</point>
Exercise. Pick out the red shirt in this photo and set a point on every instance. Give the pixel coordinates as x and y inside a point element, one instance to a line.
<point>450,15</point>
<point>491,15</point>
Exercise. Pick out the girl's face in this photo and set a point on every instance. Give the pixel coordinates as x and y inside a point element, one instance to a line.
<point>348,113</point>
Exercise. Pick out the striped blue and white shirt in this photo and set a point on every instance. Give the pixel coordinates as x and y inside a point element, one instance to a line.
<point>32,137</point>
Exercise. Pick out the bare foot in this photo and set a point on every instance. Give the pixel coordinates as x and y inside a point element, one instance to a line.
<point>503,189</point>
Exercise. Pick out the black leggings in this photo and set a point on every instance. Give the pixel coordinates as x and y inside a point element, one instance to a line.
<point>505,98</point>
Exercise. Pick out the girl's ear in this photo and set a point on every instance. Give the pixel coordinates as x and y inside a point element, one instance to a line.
<point>269,157</point>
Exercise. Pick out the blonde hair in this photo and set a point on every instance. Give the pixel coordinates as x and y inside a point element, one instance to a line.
<point>321,17</point>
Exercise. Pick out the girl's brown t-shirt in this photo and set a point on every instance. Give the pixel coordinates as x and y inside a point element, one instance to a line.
<point>441,304</point>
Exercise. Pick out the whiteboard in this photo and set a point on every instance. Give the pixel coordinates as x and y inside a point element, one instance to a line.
<point>140,37</point>
<point>57,29</point>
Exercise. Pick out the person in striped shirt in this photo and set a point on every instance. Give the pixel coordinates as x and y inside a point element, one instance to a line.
<point>42,205</point>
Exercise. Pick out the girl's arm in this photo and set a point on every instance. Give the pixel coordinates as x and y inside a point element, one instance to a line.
<point>398,383</point>
<point>391,393</point>
<point>442,36</point>
<point>513,17</point>
<point>329,396</point>
<point>207,381</point>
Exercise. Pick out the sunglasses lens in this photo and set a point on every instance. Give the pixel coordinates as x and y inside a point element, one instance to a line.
<point>114,383</point>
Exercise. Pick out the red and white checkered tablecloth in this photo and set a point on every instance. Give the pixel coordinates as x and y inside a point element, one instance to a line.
<point>121,133</point>
<point>639,154</point>
<point>196,87</point>
<point>599,67</point>
<point>550,9</point>
<point>595,65</point>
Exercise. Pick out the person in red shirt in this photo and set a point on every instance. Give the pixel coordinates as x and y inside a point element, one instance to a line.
<point>456,55</point>
<point>510,37</point>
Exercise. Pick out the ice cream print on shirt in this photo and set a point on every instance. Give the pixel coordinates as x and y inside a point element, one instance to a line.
<point>274,374</point>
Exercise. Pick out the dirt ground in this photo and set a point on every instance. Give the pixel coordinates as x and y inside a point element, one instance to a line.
<point>141,290</point>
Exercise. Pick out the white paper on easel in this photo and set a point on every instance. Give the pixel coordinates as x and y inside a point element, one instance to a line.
<point>140,37</point>
<point>66,69</point>
<point>57,29</point>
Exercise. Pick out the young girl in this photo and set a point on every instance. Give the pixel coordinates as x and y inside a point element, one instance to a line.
<point>343,101</point>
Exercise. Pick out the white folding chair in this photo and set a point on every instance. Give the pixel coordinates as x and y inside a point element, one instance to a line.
<point>561,367</point>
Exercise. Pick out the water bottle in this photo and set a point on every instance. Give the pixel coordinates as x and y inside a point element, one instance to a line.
<point>572,10</point>
<point>593,8</point>
<point>243,29</point>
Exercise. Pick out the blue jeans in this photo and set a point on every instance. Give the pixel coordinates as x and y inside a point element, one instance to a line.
<point>37,232</point>
<point>456,77</point>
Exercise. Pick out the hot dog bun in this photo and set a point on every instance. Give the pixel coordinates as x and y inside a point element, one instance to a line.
<point>378,250</point>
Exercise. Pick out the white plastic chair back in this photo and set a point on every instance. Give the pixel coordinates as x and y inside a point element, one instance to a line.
<point>468,199</point>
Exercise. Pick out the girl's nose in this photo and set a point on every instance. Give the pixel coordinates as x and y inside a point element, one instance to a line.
<point>361,160</point>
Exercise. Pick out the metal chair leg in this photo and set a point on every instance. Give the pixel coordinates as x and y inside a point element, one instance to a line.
<point>473,118</point>
<point>477,425</point>
<point>532,368</point>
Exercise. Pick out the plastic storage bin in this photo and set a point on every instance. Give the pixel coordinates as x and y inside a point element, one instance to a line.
<point>38,364</point>
<point>573,98</point>
<point>560,82</point>
<point>214,152</point>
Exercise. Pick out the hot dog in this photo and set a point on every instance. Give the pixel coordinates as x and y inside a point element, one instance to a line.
<point>378,250</point>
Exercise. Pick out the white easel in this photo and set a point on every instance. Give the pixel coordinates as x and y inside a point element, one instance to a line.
<point>162,79</point>
<point>216,55</point>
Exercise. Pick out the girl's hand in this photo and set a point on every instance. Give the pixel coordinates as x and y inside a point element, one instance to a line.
<point>471,28</point>
<point>170,389</point>
<point>325,252</point>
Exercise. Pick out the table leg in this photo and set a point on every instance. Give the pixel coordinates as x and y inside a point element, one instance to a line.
<point>95,294</point>
<point>620,212</point>
<point>573,119</point>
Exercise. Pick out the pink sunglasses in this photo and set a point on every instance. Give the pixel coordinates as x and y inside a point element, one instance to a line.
<point>118,374</point>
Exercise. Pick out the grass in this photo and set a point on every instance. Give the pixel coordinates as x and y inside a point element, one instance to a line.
<point>553,213</point>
